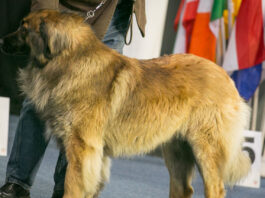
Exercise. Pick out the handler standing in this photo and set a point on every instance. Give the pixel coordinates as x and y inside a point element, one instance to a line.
<point>110,19</point>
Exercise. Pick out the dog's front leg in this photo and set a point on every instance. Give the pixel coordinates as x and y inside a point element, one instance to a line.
<point>105,174</point>
<point>84,155</point>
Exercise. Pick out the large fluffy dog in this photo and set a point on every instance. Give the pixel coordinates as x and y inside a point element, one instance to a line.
<point>100,104</point>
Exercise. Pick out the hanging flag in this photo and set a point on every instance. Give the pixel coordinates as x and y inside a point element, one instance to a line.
<point>177,18</point>
<point>218,28</point>
<point>189,18</point>
<point>246,45</point>
<point>230,15</point>
<point>217,14</point>
<point>203,41</point>
<point>247,80</point>
<point>180,43</point>
<point>185,26</point>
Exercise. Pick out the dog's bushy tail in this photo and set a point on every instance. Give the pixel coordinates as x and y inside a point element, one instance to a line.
<point>238,169</point>
<point>238,164</point>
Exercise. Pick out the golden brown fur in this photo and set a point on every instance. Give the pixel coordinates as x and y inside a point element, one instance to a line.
<point>101,104</point>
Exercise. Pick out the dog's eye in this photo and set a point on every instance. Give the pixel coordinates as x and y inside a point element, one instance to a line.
<point>23,30</point>
<point>23,26</point>
<point>22,22</point>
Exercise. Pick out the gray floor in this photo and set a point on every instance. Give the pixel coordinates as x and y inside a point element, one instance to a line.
<point>139,177</point>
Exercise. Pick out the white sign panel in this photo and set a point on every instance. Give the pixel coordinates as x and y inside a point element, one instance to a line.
<point>253,146</point>
<point>4,120</point>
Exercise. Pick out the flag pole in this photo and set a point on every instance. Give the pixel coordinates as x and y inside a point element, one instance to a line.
<point>255,110</point>
<point>223,39</point>
<point>219,48</point>
<point>230,16</point>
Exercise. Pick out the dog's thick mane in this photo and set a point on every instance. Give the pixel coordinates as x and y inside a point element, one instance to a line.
<point>58,33</point>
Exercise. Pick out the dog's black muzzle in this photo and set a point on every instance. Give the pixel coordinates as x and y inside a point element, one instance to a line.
<point>13,44</point>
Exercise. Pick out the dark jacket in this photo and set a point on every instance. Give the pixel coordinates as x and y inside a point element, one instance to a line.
<point>103,15</point>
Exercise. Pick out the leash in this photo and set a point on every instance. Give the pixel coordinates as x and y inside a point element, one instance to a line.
<point>91,13</point>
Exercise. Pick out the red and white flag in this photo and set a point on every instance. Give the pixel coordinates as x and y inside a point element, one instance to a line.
<point>246,46</point>
<point>185,21</point>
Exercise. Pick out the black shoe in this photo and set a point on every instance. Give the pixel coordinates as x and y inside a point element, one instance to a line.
<point>10,190</point>
<point>57,194</point>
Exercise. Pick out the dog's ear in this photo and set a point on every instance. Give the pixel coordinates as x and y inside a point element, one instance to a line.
<point>44,36</point>
<point>54,40</point>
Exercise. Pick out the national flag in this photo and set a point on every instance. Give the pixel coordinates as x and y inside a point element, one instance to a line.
<point>180,43</point>
<point>218,28</point>
<point>247,80</point>
<point>246,44</point>
<point>217,14</point>
<point>203,41</point>
<point>177,18</point>
<point>185,25</point>
<point>189,18</point>
<point>230,15</point>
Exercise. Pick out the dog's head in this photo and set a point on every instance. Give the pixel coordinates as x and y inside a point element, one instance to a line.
<point>44,34</point>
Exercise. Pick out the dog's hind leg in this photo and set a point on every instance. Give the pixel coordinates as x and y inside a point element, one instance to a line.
<point>180,162</point>
<point>210,160</point>
<point>84,167</point>
<point>215,135</point>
